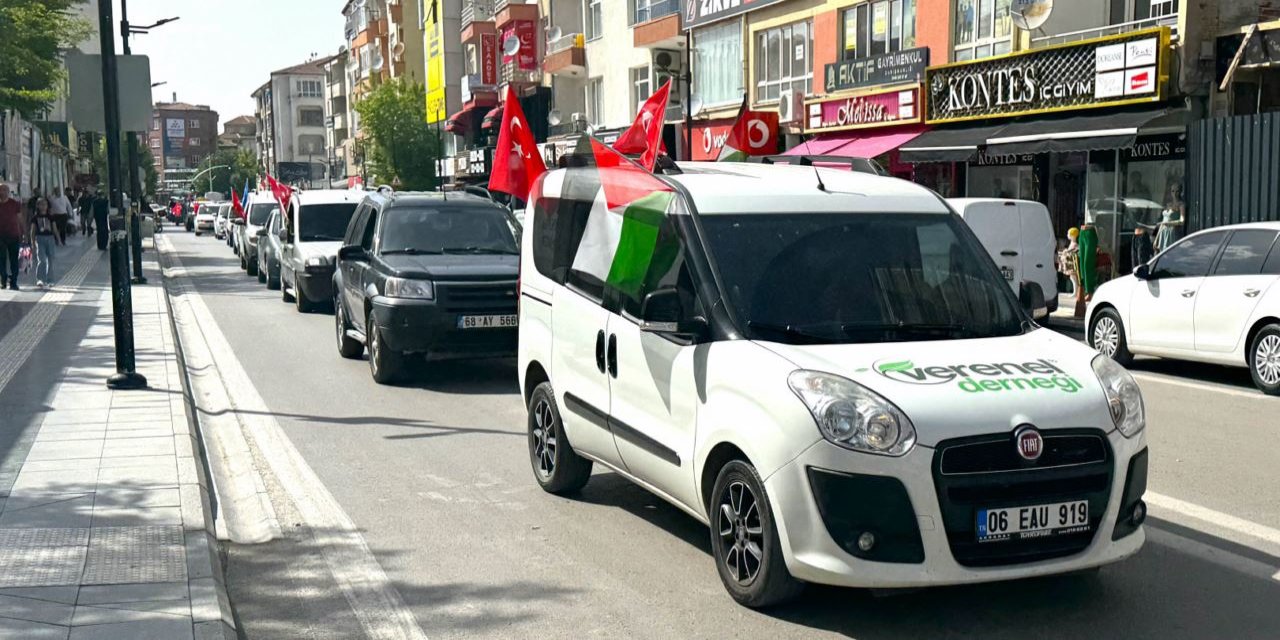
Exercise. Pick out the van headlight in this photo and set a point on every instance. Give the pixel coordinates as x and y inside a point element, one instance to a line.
<point>1124,399</point>
<point>852,416</point>
<point>406,288</point>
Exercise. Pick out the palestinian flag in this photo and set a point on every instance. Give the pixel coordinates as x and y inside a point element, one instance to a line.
<point>621,239</point>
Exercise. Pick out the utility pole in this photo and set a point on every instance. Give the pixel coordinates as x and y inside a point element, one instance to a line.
<point>126,376</point>
<point>135,191</point>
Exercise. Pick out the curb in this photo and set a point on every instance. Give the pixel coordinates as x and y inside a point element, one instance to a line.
<point>211,612</point>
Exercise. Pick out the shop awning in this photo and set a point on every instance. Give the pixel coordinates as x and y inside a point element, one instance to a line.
<point>948,145</point>
<point>492,119</point>
<point>857,144</point>
<point>459,122</point>
<point>1115,130</point>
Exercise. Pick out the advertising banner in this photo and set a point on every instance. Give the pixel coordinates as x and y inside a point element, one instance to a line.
<point>526,56</point>
<point>709,137</point>
<point>433,40</point>
<point>175,128</point>
<point>901,67</point>
<point>489,59</point>
<point>870,109</point>
<point>1115,70</point>
<point>700,12</point>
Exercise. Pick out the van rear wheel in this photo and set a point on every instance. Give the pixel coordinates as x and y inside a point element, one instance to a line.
<point>745,541</point>
<point>556,466</point>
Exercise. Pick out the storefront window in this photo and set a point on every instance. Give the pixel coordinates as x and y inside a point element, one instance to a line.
<point>1002,177</point>
<point>783,61</point>
<point>983,29</point>
<point>874,28</point>
<point>717,74</point>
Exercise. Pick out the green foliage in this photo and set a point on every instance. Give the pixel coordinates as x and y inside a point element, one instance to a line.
<point>150,175</point>
<point>31,34</point>
<point>400,148</point>
<point>242,165</point>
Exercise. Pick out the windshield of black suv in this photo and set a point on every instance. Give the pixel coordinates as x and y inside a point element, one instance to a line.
<point>833,277</point>
<point>324,222</point>
<point>259,214</point>
<point>409,230</point>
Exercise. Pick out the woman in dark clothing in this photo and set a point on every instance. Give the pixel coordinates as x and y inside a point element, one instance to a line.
<point>44,232</point>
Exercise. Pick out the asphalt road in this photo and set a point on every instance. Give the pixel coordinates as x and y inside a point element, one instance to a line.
<point>434,473</point>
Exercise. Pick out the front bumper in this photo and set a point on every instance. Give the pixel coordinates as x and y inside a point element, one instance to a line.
<point>423,326</point>
<point>204,224</point>
<point>925,555</point>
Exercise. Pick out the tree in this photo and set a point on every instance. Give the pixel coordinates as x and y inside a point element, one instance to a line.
<point>401,149</point>
<point>150,175</point>
<point>242,166</point>
<point>34,33</point>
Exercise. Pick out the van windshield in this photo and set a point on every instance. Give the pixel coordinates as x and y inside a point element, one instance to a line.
<point>853,278</point>
<point>325,222</point>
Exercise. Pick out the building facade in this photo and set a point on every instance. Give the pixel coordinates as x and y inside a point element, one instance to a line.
<point>241,133</point>
<point>292,135</point>
<point>181,138</point>
<point>338,117</point>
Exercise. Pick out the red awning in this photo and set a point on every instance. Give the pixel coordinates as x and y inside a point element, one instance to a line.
<point>492,119</point>
<point>459,122</point>
<point>858,144</point>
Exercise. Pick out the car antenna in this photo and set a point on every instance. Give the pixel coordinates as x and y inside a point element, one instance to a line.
<point>817,174</point>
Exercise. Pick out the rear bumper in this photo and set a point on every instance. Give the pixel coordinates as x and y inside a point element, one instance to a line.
<point>317,286</point>
<point>421,326</point>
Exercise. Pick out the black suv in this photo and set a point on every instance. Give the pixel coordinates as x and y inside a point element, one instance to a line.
<point>426,273</point>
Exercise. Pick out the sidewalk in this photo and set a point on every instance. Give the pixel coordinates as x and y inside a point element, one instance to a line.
<point>1064,319</point>
<point>104,507</point>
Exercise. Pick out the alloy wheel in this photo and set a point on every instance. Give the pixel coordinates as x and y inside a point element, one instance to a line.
<point>375,349</point>
<point>544,438</point>
<point>1266,359</point>
<point>340,321</point>
<point>741,532</point>
<point>1106,336</point>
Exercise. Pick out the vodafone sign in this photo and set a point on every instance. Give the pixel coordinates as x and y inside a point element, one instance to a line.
<point>709,138</point>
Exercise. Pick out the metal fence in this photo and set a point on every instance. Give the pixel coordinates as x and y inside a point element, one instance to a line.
<point>1233,167</point>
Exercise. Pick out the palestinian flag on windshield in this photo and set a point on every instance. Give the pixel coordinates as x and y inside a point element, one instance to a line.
<point>624,234</point>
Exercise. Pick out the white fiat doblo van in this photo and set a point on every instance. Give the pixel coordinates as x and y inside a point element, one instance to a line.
<point>827,369</point>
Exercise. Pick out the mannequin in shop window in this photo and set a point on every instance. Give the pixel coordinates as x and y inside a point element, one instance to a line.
<point>1172,218</point>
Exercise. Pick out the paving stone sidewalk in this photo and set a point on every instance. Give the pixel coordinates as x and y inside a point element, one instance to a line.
<point>104,508</point>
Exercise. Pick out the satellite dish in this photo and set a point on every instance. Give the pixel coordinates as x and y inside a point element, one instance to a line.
<point>555,34</point>
<point>695,106</point>
<point>398,50</point>
<point>511,45</point>
<point>1030,14</point>
<point>554,118</point>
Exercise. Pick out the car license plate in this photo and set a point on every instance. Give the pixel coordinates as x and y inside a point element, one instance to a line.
<point>1036,521</point>
<point>487,322</point>
<point>1007,272</point>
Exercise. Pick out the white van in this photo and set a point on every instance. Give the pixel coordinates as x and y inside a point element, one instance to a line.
<point>826,368</point>
<point>1019,236</point>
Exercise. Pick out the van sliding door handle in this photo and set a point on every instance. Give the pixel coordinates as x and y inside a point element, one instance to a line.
<point>600,361</point>
<point>1251,293</point>
<point>1188,293</point>
<point>1009,253</point>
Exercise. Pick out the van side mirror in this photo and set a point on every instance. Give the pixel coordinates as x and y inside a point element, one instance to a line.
<point>283,234</point>
<point>262,232</point>
<point>352,252</point>
<point>663,312</point>
<point>1142,272</point>
<point>1031,295</point>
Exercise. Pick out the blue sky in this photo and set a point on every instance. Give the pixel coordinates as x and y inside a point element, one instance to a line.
<point>222,50</point>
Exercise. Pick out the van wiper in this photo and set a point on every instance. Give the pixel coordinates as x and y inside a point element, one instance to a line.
<point>410,252</point>
<point>481,250</point>
<point>320,238</point>
<point>790,330</point>
<point>903,328</point>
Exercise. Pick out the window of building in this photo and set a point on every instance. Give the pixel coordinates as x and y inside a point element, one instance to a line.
<point>155,144</point>
<point>311,145</point>
<point>1144,9</point>
<point>595,99</point>
<point>784,60</point>
<point>155,124</point>
<point>193,124</point>
<point>983,28</point>
<point>311,117</point>
<point>593,18</point>
<point>873,28</point>
<point>366,60</point>
<point>641,88</point>
<point>193,142</point>
<point>717,61</point>
<point>309,88</point>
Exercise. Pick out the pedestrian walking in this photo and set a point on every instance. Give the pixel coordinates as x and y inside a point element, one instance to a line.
<point>44,234</point>
<point>86,211</point>
<point>60,209</point>
<point>11,232</point>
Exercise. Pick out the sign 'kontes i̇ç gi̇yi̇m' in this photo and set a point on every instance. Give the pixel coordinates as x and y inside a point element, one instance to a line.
<point>1110,71</point>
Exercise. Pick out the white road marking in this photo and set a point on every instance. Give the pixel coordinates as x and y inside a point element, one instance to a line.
<point>1220,557</point>
<point>1200,386</point>
<point>1217,519</point>
<point>374,600</point>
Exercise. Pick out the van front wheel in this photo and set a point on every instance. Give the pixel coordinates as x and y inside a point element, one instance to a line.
<point>745,542</point>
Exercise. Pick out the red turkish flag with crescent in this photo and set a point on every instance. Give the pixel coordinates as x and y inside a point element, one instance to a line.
<point>516,161</point>
<point>645,134</point>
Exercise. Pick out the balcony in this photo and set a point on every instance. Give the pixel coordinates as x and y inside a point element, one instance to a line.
<point>566,56</point>
<point>508,11</point>
<point>508,73</point>
<point>656,25</point>
<point>472,31</point>
<point>1170,21</point>
<point>476,11</point>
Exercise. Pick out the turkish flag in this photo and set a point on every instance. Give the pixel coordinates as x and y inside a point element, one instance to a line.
<point>236,205</point>
<point>516,161</point>
<point>282,193</point>
<point>645,134</point>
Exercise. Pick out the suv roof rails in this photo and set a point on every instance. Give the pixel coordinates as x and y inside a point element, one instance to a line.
<point>666,165</point>
<point>861,165</point>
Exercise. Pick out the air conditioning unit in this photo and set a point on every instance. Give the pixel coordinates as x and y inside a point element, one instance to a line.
<point>789,106</point>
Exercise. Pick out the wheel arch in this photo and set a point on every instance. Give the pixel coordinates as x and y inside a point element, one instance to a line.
<point>1253,331</point>
<point>721,454</point>
<point>534,375</point>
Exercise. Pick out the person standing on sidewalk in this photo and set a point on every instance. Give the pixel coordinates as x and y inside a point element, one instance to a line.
<point>101,209</point>
<point>44,233</point>
<point>11,232</point>
<point>60,209</point>
<point>86,211</point>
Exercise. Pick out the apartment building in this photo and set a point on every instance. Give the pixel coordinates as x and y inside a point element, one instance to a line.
<point>291,123</point>
<point>338,118</point>
<point>239,133</point>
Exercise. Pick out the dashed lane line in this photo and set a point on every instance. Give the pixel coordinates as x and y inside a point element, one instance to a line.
<point>1201,386</point>
<point>1217,519</point>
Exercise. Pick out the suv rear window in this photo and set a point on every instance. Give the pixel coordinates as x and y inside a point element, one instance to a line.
<point>325,222</point>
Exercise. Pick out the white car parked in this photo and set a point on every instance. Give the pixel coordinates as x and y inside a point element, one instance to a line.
<point>832,374</point>
<point>1211,297</point>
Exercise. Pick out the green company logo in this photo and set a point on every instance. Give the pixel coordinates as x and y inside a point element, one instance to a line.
<point>1033,375</point>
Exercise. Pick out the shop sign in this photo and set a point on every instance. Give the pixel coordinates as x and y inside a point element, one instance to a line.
<point>175,127</point>
<point>883,108</point>
<point>762,136</point>
<point>900,67</point>
<point>1003,159</point>
<point>489,59</point>
<point>1115,70</point>
<point>1171,146</point>
<point>701,12</point>
<point>479,161</point>
<point>526,57</point>
<point>434,48</point>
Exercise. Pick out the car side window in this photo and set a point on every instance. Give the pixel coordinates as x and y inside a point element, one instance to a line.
<point>1245,253</point>
<point>1272,266</point>
<point>666,269</point>
<point>558,227</point>
<point>356,226</point>
<point>1190,258</point>
<point>370,229</point>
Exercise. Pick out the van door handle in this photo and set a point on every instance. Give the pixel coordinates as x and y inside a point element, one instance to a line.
<point>1251,293</point>
<point>600,362</point>
<point>613,355</point>
<point>1188,293</point>
<point>1009,253</point>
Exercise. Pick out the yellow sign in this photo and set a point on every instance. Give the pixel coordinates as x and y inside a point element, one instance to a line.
<point>433,26</point>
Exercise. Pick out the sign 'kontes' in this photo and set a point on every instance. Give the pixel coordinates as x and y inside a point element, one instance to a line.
<point>1109,71</point>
